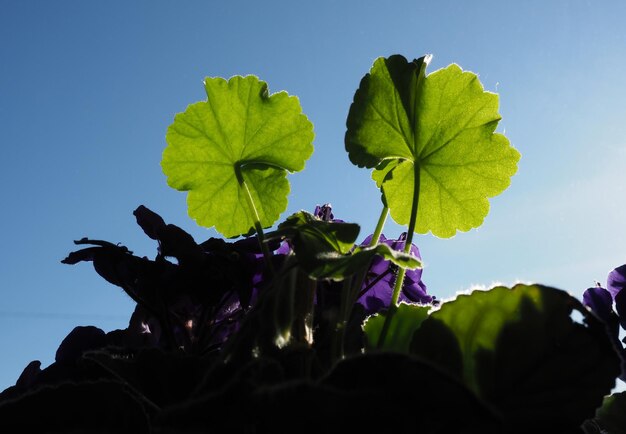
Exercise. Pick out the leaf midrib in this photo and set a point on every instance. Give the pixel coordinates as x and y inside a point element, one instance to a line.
<point>458,133</point>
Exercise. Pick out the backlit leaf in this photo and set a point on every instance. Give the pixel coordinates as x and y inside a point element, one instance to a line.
<point>337,267</point>
<point>440,126</point>
<point>306,230</point>
<point>239,128</point>
<point>405,321</point>
<point>520,350</point>
<point>325,250</point>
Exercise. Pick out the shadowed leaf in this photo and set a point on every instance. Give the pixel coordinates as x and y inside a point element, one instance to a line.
<point>520,350</point>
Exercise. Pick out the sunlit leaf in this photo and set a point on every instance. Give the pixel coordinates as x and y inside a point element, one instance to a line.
<point>520,350</point>
<point>239,128</point>
<point>405,321</point>
<point>337,267</point>
<point>318,235</point>
<point>325,250</point>
<point>440,126</point>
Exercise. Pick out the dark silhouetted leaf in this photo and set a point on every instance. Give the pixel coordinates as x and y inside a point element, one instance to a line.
<point>520,350</point>
<point>90,407</point>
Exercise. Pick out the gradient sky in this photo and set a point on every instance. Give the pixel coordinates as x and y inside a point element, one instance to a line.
<point>88,89</point>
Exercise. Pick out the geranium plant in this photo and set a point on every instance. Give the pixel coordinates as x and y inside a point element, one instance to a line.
<point>300,327</point>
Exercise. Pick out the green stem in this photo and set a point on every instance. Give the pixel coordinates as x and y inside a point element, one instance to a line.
<point>379,226</point>
<point>350,291</point>
<point>393,306</point>
<point>255,217</point>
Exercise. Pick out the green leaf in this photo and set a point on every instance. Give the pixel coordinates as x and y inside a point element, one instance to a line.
<point>239,128</point>
<point>405,321</point>
<point>325,250</point>
<point>440,126</point>
<point>611,417</point>
<point>309,232</point>
<point>337,267</point>
<point>389,392</point>
<point>520,350</point>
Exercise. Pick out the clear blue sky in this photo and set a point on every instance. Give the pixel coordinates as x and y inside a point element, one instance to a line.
<point>87,90</point>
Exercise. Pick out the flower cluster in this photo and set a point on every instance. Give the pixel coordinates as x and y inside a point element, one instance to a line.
<point>602,302</point>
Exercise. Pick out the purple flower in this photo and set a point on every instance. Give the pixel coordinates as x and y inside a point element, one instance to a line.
<point>378,285</point>
<point>601,300</point>
<point>615,283</point>
<point>325,213</point>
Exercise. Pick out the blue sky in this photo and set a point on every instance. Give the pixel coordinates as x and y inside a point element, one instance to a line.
<point>87,90</point>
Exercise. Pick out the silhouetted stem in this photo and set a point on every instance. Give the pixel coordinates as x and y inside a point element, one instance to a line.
<point>351,290</point>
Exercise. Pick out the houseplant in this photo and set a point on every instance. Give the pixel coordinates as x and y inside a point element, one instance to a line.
<point>303,328</point>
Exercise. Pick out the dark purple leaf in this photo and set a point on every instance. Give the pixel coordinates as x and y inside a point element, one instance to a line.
<point>29,375</point>
<point>150,222</point>
<point>81,255</point>
<point>78,341</point>
<point>175,242</point>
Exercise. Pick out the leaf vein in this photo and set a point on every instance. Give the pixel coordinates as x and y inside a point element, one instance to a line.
<point>461,129</point>
<point>245,125</point>
<point>219,127</point>
<point>458,201</point>
<point>203,133</point>
<point>388,122</point>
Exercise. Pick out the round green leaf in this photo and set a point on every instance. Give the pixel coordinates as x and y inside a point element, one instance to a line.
<point>239,127</point>
<point>440,126</point>
<point>520,350</point>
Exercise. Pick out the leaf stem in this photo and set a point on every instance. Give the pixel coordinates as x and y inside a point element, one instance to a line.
<point>379,226</point>
<point>393,306</point>
<point>255,217</point>
<point>351,290</point>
